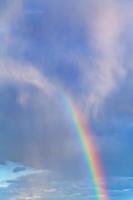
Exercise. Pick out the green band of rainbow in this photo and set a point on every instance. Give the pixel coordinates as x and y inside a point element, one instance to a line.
<point>92,158</point>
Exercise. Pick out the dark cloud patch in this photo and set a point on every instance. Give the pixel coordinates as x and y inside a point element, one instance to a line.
<point>2,162</point>
<point>19,169</point>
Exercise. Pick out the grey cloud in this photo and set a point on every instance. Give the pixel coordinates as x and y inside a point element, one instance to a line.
<point>19,169</point>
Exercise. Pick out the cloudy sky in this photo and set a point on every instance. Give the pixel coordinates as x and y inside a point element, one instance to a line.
<point>51,48</point>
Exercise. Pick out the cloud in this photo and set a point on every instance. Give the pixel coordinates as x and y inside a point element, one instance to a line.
<point>95,58</point>
<point>14,72</point>
<point>19,169</point>
<point>12,171</point>
<point>8,17</point>
<point>92,66</point>
<point>101,68</point>
<point>109,22</point>
<point>97,77</point>
<point>23,98</point>
<point>40,186</point>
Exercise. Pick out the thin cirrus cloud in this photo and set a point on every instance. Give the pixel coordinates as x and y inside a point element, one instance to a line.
<point>108,25</point>
<point>15,72</point>
<point>8,17</point>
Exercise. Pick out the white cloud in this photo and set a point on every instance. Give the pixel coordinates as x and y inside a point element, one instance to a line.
<point>106,27</point>
<point>8,173</point>
<point>108,66</point>
<point>24,74</point>
<point>9,15</point>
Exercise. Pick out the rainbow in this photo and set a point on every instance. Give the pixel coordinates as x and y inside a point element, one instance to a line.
<point>92,158</point>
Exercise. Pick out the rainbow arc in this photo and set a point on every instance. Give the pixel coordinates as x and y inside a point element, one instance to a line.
<point>88,145</point>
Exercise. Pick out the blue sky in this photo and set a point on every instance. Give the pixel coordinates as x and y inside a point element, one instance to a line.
<point>81,47</point>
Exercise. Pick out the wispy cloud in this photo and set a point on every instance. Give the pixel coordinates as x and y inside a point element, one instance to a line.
<point>9,15</point>
<point>11,71</point>
<point>109,22</point>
